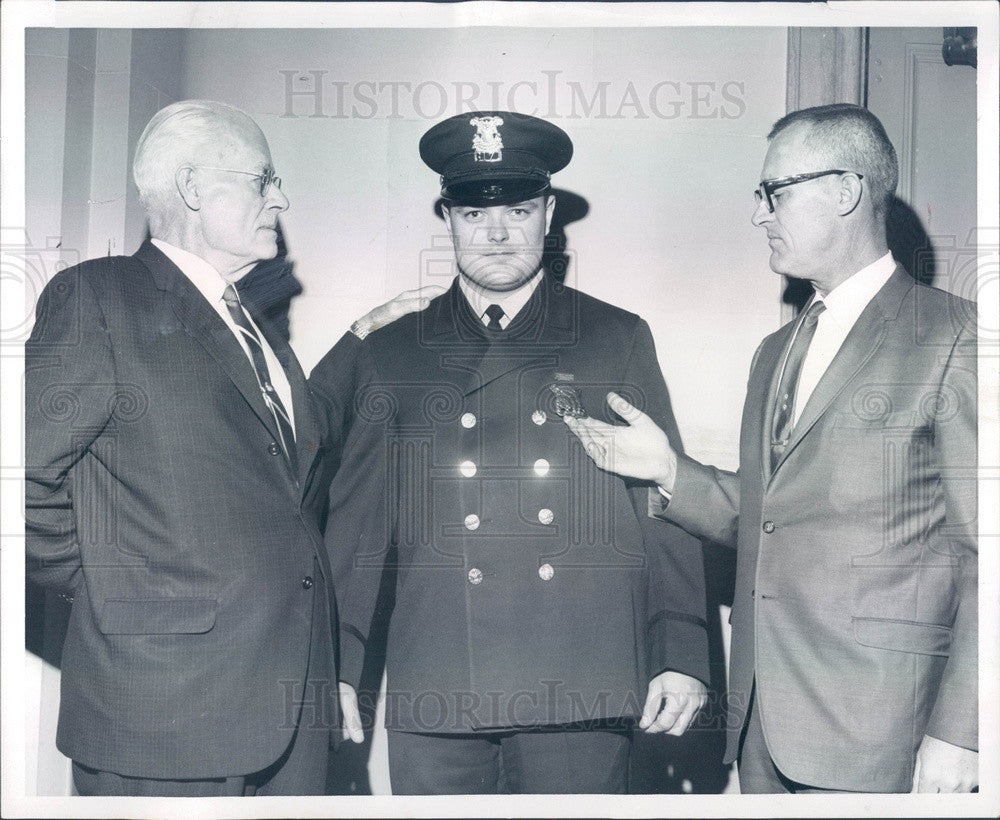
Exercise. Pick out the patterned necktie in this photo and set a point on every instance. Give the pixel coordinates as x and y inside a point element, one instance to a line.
<point>494,312</point>
<point>784,409</point>
<point>271,399</point>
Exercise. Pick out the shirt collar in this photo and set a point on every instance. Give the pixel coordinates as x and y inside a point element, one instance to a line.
<point>846,301</point>
<point>203,276</point>
<point>511,301</point>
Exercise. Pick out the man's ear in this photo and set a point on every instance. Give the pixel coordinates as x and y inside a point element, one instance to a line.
<point>849,194</point>
<point>550,207</point>
<point>187,187</point>
<point>446,216</point>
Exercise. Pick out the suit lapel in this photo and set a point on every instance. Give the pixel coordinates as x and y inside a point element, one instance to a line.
<point>861,343</point>
<point>206,326</point>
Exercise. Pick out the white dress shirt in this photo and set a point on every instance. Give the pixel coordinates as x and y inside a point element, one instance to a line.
<point>511,301</point>
<point>211,284</point>
<point>844,305</point>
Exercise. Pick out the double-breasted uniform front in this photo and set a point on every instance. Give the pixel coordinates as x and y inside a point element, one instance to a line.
<point>531,588</point>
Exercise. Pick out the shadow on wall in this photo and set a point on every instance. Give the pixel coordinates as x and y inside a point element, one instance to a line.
<point>270,286</point>
<point>908,241</point>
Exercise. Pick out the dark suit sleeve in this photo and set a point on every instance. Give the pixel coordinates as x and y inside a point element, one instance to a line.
<point>69,401</point>
<point>955,717</point>
<point>677,629</point>
<point>357,530</point>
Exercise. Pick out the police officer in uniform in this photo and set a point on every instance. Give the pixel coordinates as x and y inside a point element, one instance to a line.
<point>540,613</point>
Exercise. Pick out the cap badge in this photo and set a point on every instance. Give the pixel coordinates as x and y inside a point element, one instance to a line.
<point>486,144</point>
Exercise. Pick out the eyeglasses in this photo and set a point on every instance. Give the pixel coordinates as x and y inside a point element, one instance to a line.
<point>267,178</point>
<point>768,186</point>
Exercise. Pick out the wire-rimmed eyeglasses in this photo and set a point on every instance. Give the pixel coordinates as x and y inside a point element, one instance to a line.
<point>763,192</point>
<point>266,178</point>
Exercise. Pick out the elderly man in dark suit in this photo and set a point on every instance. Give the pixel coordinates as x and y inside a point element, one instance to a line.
<point>539,612</point>
<point>170,444</point>
<point>854,654</point>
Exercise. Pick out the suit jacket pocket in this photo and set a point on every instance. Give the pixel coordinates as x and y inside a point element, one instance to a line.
<point>157,616</point>
<point>902,636</point>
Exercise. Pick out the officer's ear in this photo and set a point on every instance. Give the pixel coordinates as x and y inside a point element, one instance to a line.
<point>550,207</point>
<point>446,215</point>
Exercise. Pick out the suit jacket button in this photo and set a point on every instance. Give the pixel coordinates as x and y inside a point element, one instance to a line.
<point>273,448</point>
<point>545,572</point>
<point>768,527</point>
<point>307,582</point>
<point>475,576</point>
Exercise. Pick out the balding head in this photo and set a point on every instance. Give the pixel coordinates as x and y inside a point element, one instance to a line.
<point>849,137</point>
<point>205,176</point>
<point>190,132</point>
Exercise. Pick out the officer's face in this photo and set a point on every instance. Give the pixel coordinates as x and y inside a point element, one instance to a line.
<point>236,222</point>
<point>802,229</point>
<point>499,247</point>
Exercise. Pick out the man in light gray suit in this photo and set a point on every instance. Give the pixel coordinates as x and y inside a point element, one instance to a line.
<point>854,649</point>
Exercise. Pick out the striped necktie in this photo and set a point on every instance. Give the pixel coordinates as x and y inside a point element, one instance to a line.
<point>271,399</point>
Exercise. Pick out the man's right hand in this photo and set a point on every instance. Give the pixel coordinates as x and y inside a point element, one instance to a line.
<point>407,302</point>
<point>638,450</point>
<point>350,714</point>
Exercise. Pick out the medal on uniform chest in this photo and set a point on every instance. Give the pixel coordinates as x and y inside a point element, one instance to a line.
<point>566,397</point>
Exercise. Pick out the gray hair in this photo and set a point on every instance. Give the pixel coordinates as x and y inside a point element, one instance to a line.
<point>183,133</point>
<point>855,140</point>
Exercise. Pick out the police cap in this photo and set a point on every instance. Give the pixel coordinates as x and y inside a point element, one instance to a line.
<point>495,157</point>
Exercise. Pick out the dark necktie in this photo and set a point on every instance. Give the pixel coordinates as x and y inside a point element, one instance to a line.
<point>784,409</point>
<point>271,399</point>
<point>494,312</point>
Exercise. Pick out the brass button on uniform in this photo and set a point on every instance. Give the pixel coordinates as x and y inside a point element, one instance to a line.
<point>545,516</point>
<point>472,522</point>
<point>475,576</point>
<point>545,572</point>
<point>539,417</point>
<point>541,467</point>
<point>768,527</point>
<point>307,582</point>
<point>468,420</point>
<point>467,468</point>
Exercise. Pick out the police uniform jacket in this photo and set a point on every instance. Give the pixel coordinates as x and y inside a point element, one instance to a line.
<point>531,588</point>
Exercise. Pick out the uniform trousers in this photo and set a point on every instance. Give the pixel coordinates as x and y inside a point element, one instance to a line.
<point>302,767</point>
<point>757,770</point>
<point>556,760</point>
